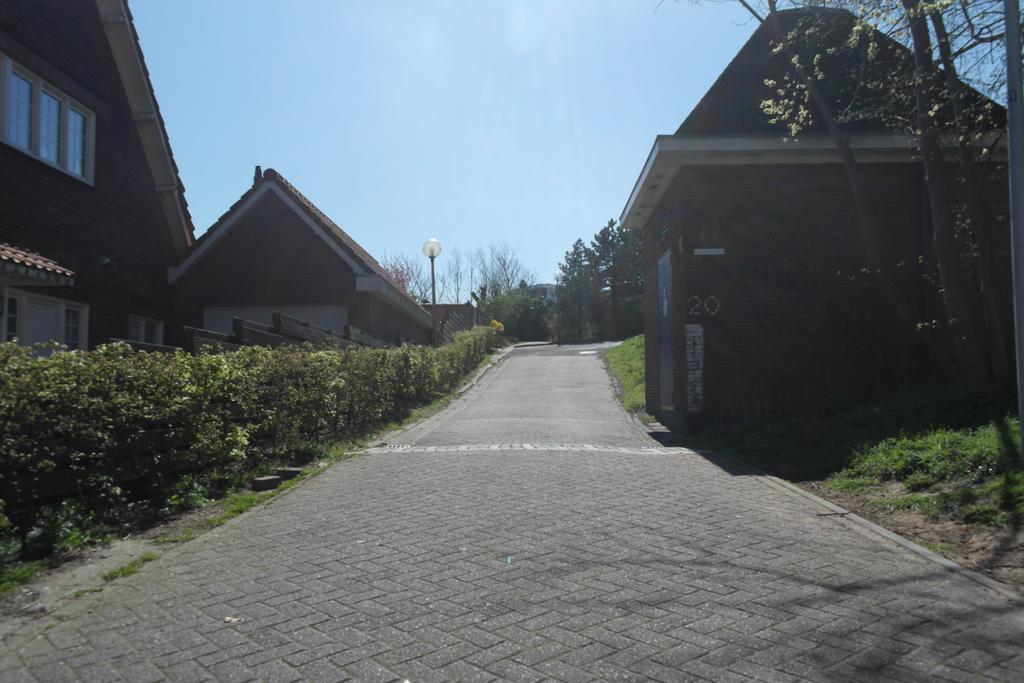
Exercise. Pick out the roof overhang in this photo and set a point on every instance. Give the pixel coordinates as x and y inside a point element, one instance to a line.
<point>672,152</point>
<point>375,284</point>
<point>124,47</point>
<point>18,275</point>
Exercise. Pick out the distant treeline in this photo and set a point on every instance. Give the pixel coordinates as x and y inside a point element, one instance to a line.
<point>600,288</point>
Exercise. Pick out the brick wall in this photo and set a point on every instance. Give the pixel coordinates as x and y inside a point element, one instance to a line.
<point>790,324</point>
<point>78,225</point>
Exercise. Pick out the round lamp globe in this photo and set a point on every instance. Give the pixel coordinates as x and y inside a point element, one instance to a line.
<point>431,248</point>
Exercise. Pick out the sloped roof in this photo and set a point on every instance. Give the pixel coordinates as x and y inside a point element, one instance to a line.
<point>364,260</point>
<point>131,64</point>
<point>343,237</point>
<point>17,259</point>
<point>732,106</point>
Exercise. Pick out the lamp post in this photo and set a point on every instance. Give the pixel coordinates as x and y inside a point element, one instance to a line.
<point>1015,124</point>
<point>432,249</point>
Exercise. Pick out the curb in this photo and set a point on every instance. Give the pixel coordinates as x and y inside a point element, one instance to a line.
<point>494,362</point>
<point>500,356</point>
<point>944,562</point>
<point>864,525</point>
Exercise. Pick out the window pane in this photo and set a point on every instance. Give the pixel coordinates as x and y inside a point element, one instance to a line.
<point>76,141</point>
<point>71,320</point>
<point>49,129</point>
<point>19,112</point>
<point>12,319</point>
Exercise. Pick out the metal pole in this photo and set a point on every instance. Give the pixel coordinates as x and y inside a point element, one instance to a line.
<point>1015,123</point>
<point>433,302</point>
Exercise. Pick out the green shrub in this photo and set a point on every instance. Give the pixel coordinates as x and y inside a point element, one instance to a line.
<point>170,429</point>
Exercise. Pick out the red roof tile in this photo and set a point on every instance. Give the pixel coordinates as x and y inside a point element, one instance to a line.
<point>31,259</point>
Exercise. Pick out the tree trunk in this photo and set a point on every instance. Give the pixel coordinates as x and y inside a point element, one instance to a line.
<point>980,224</point>
<point>897,293</point>
<point>962,330</point>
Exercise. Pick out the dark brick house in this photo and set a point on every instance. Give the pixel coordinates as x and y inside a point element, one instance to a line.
<point>274,250</point>
<point>92,212</point>
<point>754,306</point>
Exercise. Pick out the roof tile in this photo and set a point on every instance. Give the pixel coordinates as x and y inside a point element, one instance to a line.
<point>31,259</point>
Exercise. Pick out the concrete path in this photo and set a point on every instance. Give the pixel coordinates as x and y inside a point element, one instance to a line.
<point>531,531</point>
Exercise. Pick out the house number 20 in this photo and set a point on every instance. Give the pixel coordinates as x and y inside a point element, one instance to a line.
<point>708,305</point>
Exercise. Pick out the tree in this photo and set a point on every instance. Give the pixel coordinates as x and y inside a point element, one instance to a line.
<point>573,307</point>
<point>524,316</point>
<point>409,273</point>
<point>600,287</point>
<point>500,269</point>
<point>453,277</point>
<point>883,50</point>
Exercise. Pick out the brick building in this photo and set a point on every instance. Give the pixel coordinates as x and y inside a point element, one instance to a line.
<point>274,250</point>
<point>755,305</point>
<point>92,212</point>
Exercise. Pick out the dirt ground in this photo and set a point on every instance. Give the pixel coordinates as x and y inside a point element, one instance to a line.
<point>83,571</point>
<point>995,551</point>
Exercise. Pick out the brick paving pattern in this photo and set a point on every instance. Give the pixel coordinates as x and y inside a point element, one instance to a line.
<point>532,554</point>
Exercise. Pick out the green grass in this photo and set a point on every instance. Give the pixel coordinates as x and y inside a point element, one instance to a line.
<point>940,548</point>
<point>626,362</point>
<point>953,456</point>
<point>18,573</point>
<point>129,568</point>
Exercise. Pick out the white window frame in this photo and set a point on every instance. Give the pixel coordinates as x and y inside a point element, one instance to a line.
<point>9,66</point>
<point>61,304</point>
<point>141,321</point>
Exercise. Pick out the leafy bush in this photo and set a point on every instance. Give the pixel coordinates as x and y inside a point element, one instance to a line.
<point>119,428</point>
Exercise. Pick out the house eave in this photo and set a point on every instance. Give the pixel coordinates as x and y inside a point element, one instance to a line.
<point>128,57</point>
<point>374,284</point>
<point>671,152</point>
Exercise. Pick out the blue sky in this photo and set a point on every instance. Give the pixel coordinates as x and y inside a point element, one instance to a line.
<point>471,121</point>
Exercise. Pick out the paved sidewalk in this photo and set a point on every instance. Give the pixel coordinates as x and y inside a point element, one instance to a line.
<point>531,532</point>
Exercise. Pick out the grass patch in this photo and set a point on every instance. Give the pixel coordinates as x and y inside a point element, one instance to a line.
<point>951,455</point>
<point>917,503</point>
<point>129,568</point>
<point>940,548</point>
<point>18,573</point>
<point>626,363</point>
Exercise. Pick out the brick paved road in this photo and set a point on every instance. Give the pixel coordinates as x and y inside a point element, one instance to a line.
<point>525,558</point>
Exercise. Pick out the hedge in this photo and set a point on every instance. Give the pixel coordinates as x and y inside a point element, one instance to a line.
<point>126,426</point>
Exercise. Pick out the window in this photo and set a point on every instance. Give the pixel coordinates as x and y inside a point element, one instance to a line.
<point>72,327</point>
<point>19,112</point>
<point>35,319</point>
<point>146,330</point>
<point>76,141</point>
<point>11,330</point>
<point>44,122</point>
<point>49,129</point>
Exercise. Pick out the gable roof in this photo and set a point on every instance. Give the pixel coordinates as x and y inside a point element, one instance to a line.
<point>732,105</point>
<point>371,276</point>
<point>127,51</point>
<point>728,125</point>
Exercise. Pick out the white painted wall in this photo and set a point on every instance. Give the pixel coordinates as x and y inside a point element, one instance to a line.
<point>221,318</point>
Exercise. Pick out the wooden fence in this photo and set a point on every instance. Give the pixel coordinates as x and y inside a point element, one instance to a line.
<point>283,330</point>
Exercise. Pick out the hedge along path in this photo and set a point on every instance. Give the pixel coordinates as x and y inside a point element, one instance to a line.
<point>115,426</point>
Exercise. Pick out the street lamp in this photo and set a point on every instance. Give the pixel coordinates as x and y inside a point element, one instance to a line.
<point>432,249</point>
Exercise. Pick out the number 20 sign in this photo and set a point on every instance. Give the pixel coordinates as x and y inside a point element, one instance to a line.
<point>698,306</point>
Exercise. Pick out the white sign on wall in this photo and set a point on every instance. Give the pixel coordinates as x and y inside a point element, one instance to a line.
<point>694,368</point>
